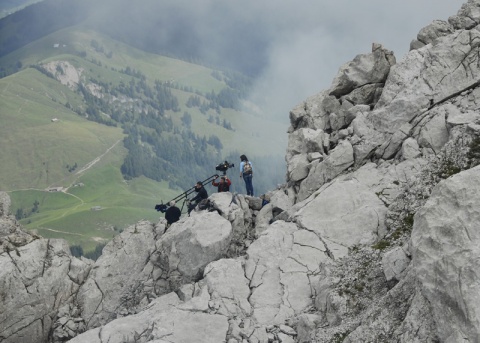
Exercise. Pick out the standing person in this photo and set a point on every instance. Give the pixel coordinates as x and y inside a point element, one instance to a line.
<point>246,171</point>
<point>201,194</point>
<point>223,185</point>
<point>172,214</point>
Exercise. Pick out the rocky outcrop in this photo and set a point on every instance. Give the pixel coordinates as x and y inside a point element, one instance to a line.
<point>446,251</point>
<point>36,280</point>
<point>162,321</point>
<point>12,235</point>
<point>365,70</point>
<point>187,248</point>
<point>121,278</point>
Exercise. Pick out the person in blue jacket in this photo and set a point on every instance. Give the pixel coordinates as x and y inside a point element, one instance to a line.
<point>246,172</point>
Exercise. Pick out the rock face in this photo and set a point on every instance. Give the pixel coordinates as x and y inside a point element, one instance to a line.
<point>373,238</point>
<point>449,276</point>
<point>37,277</point>
<point>119,282</point>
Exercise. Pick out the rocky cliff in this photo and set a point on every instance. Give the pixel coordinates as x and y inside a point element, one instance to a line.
<point>373,238</point>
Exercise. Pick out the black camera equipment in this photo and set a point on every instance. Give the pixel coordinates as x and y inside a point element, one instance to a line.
<point>163,207</point>
<point>223,167</point>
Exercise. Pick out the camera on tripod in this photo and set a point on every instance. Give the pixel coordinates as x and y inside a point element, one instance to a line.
<point>223,167</point>
<point>161,208</point>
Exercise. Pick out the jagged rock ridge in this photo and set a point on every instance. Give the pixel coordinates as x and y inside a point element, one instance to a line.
<point>373,238</point>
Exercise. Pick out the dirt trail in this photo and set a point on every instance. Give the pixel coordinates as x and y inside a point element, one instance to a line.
<point>92,163</point>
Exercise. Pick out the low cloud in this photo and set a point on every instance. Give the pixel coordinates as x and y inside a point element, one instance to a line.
<point>293,48</point>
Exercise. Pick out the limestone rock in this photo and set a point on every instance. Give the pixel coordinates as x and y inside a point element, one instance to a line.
<point>338,161</point>
<point>279,267</point>
<point>344,214</point>
<point>310,114</point>
<point>467,17</point>
<point>306,140</point>
<point>394,263</point>
<point>5,204</point>
<point>298,167</point>
<point>35,281</point>
<point>432,131</point>
<point>449,275</point>
<point>119,281</point>
<point>363,70</point>
<point>161,320</point>
<point>183,252</point>
<point>229,288</point>
<point>427,35</point>
<point>12,235</point>
<point>410,149</point>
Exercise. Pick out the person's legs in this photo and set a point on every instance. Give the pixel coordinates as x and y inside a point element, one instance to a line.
<point>191,206</point>
<point>248,184</point>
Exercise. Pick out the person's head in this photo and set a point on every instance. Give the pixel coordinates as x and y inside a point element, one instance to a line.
<point>222,179</point>
<point>198,185</point>
<point>172,203</point>
<point>243,158</point>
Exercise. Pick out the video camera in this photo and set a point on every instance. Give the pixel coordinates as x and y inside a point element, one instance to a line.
<point>223,167</point>
<point>161,208</point>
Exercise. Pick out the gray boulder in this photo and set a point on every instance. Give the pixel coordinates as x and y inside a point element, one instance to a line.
<point>432,131</point>
<point>119,282</point>
<point>467,17</point>
<point>428,35</point>
<point>394,263</point>
<point>340,159</point>
<point>364,69</point>
<point>184,251</point>
<point>310,114</point>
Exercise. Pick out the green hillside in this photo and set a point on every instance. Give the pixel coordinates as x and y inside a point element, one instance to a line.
<point>78,95</point>
<point>102,58</point>
<point>38,150</point>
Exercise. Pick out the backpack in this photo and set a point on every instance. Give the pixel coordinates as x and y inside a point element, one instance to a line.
<point>247,168</point>
<point>204,204</point>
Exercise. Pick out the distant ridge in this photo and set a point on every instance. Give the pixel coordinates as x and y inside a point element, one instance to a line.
<point>38,20</point>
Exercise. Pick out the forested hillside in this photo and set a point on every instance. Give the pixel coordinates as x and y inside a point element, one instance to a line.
<point>177,120</point>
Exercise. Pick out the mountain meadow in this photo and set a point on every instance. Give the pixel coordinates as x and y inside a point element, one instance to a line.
<point>95,132</point>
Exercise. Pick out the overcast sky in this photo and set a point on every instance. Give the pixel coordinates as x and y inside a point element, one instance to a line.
<point>295,47</point>
<point>315,38</point>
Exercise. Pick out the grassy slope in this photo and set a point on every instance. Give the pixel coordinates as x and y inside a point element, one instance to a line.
<point>39,150</point>
<point>251,131</point>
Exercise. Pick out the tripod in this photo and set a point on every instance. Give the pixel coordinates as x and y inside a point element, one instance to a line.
<point>163,207</point>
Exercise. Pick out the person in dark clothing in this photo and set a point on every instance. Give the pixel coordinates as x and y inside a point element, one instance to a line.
<point>246,172</point>
<point>223,185</point>
<point>201,194</point>
<point>172,214</point>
